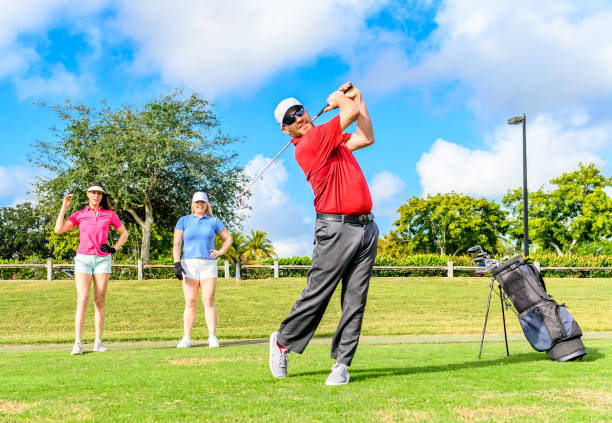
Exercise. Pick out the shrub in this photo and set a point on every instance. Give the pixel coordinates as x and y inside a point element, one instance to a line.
<point>546,260</point>
<point>589,260</point>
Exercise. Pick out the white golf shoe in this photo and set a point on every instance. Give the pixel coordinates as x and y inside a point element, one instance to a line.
<point>279,357</point>
<point>185,342</point>
<point>99,346</point>
<point>77,348</point>
<point>213,342</point>
<point>339,375</point>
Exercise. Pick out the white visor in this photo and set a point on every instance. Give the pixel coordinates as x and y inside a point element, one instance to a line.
<point>96,188</point>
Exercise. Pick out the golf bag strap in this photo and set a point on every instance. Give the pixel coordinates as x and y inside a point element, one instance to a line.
<point>537,272</point>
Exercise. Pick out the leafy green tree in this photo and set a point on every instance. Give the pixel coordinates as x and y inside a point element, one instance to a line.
<point>160,247</point>
<point>150,158</point>
<point>392,246</point>
<point>601,247</point>
<point>259,245</point>
<point>22,232</point>
<point>577,213</point>
<point>239,248</point>
<point>446,224</point>
<point>63,246</point>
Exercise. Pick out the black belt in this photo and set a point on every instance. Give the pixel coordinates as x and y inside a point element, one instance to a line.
<point>364,219</point>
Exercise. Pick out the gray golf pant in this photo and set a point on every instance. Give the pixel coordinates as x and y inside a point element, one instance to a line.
<point>342,251</point>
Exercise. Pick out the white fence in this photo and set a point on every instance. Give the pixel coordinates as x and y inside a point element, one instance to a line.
<point>275,268</point>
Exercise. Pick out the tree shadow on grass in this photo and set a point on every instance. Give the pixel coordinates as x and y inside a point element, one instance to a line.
<point>358,375</point>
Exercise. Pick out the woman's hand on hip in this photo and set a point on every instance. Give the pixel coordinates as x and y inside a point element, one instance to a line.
<point>215,253</point>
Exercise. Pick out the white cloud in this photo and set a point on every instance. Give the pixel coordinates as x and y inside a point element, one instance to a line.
<point>216,47</point>
<point>554,146</point>
<point>510,55</point>
<point>23,64</point>
<point>387,191</point>
<point>550,59</point>
<point>212,47</point>
<point>16,182</point>
<point>60,83</point>
<point>15,59</point>
<point>288,224</point>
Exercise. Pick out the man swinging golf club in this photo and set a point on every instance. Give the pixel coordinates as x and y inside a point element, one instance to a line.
<point>345,237</point>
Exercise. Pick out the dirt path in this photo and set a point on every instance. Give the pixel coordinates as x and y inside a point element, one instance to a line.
<point>365,340</point>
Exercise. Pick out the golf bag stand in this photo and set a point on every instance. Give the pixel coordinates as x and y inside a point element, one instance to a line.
<point>484,328</point>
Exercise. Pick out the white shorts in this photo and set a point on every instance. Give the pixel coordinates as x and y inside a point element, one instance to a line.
<point>199,268</point>
<point>92,264</point>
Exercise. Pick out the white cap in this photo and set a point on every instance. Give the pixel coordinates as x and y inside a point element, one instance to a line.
<point>283,106</point>
<point>96,188</point>
<point>199,196</point>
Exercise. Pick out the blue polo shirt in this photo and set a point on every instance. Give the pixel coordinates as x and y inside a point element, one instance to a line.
<point>198,235</point>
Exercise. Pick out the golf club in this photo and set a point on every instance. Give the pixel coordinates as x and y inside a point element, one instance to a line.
<point>242,199</point>
<point>482,256</point>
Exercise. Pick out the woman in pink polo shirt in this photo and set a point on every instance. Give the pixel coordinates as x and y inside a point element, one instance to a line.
<point>92,261</point>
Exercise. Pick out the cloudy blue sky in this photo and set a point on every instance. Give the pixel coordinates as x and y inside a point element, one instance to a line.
<point>440,79</point>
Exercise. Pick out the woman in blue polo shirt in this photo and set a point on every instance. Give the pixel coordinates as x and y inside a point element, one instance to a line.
<point>198,267</point>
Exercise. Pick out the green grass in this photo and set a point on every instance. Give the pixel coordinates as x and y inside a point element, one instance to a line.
<point>43,312</point>
<point>389,383</point>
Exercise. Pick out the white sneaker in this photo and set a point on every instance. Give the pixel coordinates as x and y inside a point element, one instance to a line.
<point>339,375</point>
<point>99,346</point>
<point>185,342</point>
<point>279,357</point>
<point>77,348</point>
<point>213,342</point>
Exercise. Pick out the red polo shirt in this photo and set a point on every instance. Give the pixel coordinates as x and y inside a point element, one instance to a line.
<point>336,179</point>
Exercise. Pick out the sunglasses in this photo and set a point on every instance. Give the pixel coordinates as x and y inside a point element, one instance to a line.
<point>290,119</point>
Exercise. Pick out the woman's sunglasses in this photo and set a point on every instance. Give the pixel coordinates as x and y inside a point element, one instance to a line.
<point>290,119</point>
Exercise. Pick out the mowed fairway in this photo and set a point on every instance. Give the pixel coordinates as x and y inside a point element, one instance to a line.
<point>429,383</point>
<point>391,381</point>
<point>43,312</point>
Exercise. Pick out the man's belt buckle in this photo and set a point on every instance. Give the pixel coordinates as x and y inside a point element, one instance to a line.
<point>364,219</point>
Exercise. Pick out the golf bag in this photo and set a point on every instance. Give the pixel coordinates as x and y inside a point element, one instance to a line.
<point>547,325</point>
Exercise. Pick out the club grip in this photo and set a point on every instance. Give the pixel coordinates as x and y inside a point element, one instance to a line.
<point>347,89</point>
<point>344,91</point>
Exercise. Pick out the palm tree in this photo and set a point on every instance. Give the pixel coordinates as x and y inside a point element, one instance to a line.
<point>239,248</point>
<point>259,245</point>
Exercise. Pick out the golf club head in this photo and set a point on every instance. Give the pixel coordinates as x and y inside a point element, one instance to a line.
<point>243,202</point>
<point>483,255</point>
<point>474,249</point>
<point>491,264</point>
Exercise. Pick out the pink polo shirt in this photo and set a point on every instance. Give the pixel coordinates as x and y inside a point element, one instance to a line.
<point>93,229</point>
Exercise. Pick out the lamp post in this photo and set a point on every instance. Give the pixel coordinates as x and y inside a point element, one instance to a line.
<point>515,121</point>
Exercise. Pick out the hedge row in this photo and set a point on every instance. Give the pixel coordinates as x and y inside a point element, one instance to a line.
<point>553,260</point>
<point>546,260</point>
<point>68,273</point>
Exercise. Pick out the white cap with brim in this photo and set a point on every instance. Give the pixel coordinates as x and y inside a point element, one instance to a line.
<point>96,188</point>
<point>199,196</point>
<point>283,106</point>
